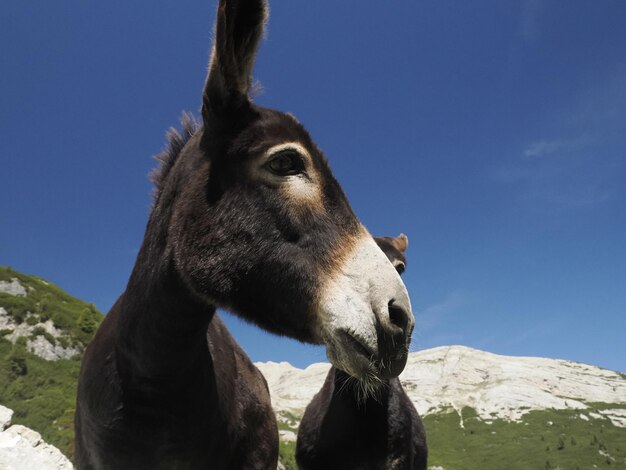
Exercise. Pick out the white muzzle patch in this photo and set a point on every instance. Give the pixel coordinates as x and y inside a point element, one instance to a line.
<point>354,300</point>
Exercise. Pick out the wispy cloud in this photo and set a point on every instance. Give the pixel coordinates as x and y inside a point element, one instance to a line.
<point>542,148</point>
<point>547,148</point>
<point>580,165</point>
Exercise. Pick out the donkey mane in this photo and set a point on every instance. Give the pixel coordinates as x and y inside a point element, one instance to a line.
<point>176,140</point>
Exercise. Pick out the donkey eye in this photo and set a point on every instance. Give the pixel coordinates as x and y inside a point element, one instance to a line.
<point>400,267</point>
<point>285,163</point>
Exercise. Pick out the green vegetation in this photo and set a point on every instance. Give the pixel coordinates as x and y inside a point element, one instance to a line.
<point>544,439</point>
<point>289,421</point>
<point>287,455</point>
<point>44,301</point>
<point>287,450</point>
<point>599,406</point>
<point>43,393</point>
<point>547,439</point>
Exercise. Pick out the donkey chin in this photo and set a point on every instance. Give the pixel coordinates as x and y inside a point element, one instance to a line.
<point>366,317</point>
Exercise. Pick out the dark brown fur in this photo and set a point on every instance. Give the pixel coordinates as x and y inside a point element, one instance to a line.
<point>163,385</point>
<point>208,407</point>
<point>339,431</point>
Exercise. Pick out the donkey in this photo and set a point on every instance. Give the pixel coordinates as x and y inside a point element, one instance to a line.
<point>247,216</point>
<point>348,427</point>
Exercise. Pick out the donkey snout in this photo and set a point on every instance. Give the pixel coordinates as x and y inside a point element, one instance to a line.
<point>394,335</point>
<point>398,320</point>
<point>366,314</point>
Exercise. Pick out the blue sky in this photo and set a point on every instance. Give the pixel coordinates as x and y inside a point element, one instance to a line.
<point>491,132</point>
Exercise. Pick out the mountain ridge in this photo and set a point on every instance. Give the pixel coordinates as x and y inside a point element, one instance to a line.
<point>488,411</point>
<point>458,376</point>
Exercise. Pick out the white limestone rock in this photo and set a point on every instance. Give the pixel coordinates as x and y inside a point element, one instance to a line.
<point>38,345</point>
<point>13,288</point>
<point>6,321</point>
<point>22,448</point>
<point>292,388</point>
<point>453,377</point>
<point>287,436</point>
<point>5,417</point>
<point>48,351</point>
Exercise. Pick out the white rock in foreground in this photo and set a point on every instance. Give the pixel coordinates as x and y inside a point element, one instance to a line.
<point>495,386</point>
<point>5,417</point>
<point>22,448</point>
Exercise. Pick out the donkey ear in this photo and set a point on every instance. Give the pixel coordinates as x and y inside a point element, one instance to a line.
<point>238,30</point>
<point>401,242</point>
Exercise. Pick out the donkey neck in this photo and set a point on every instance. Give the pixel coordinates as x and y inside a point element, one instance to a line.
<point>161,335</point>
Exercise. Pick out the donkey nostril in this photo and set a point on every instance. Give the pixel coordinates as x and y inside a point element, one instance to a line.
<point>397,316</point>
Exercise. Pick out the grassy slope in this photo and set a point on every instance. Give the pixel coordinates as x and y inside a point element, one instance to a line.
<point>287,455</point>
<point>44,301</point>
<point>287,450</point>
<point>43,393</point>
<point>43,398</point>
<point>567,443</point>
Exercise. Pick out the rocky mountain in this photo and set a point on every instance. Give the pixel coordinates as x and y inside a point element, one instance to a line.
<point>481,409</point>
<point>42,318</point>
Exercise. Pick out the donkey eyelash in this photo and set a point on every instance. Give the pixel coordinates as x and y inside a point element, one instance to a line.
<point>284,154</point>
<point>286,162</point>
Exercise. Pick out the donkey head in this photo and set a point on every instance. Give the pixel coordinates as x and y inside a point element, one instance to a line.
<point>394,248</point>
<point>259,225</point>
